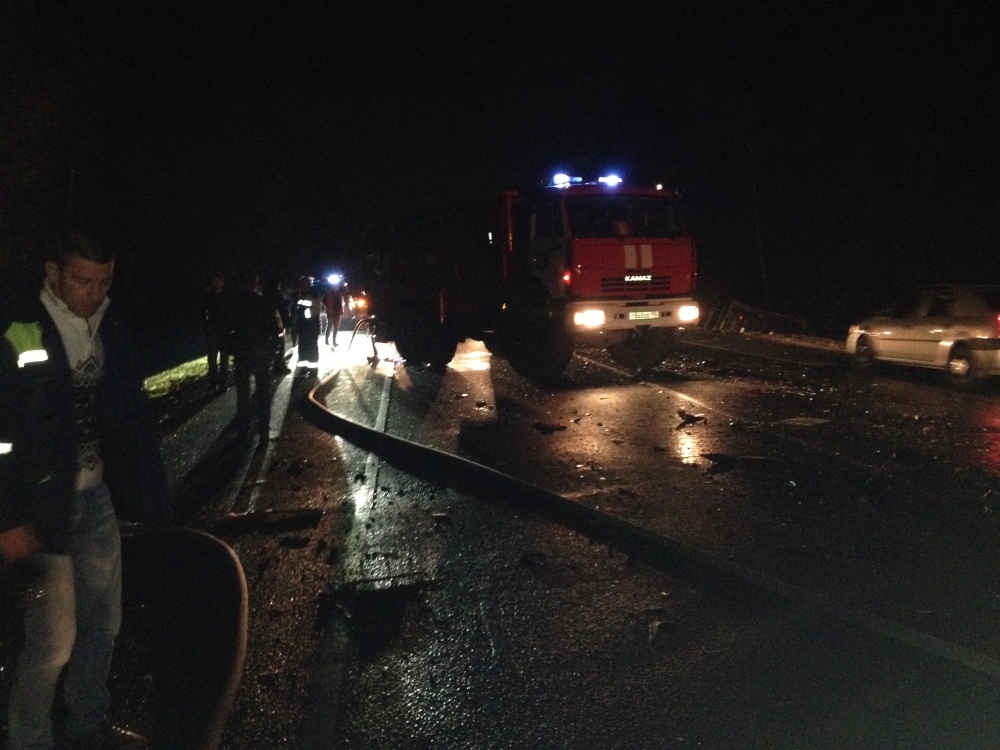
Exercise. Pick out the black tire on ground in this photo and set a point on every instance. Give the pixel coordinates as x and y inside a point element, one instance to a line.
<point>643,349</point>
<point>864,359</point>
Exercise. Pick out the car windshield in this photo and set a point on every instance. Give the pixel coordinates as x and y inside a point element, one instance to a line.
<point>622,216</point>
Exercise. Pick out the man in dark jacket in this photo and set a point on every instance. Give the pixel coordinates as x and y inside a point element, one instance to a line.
<point>78,449</point>
<point>217,314</point>
<point>256,336</point>
<point>333,304</point>
<point>307,308</point>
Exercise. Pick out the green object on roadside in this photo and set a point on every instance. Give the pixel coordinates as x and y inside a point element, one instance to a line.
<point>166,382</point>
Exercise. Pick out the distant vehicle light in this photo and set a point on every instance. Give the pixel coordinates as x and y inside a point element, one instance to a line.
<point>334,278</point>
<point>6,448</point>
<point>659,187</point>
<point>560,180</point>
<point>610,180</point>
<point>360,302</point>
<point>567,277</point>
<point>589,318</point>
<point>687,313</point>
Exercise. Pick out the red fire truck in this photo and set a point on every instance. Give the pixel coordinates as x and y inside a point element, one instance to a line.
<point>539,272</point>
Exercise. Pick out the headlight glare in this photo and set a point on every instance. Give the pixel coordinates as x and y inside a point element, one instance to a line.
<point>589,318</point>
<point>687,313</point>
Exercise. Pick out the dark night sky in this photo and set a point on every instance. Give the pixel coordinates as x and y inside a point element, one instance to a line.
<point>864,141</point>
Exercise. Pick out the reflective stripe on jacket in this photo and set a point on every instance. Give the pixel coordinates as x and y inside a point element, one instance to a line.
<point>26,341</point>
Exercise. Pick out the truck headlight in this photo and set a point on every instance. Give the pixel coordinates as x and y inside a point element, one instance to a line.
<point>687,313</point>
<point>589,318</point>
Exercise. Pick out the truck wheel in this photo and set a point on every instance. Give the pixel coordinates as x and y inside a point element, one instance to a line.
<point>441,350</point>
<point>492,342</point>
<point>407,347</point>
<point>540,349</point>
<point>642,350</point>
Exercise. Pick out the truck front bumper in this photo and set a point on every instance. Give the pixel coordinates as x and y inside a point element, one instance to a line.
<point>597,316</point>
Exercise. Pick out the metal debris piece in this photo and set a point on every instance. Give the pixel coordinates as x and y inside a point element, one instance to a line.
<point>655,628</point>
<point>722,462</point>
<point>547,428</point>
<point>297,467</point>
<point>805,422</point>
<point>441,518</point>
<point>687,418</point>
<point>269,521</point>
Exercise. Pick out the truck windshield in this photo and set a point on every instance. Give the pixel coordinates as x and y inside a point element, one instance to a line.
<point>622,216</point>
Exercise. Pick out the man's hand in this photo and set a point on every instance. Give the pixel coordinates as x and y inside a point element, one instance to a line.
<point>18,544</point>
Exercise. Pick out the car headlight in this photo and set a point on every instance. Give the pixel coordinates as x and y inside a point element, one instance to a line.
<point>687,313</point>
<point>589,318</point>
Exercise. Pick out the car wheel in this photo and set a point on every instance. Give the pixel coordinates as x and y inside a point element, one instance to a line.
<point>962,367</point>
<point>864,358</point>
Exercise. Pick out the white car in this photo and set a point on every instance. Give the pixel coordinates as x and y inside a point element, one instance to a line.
<point>950,327</point>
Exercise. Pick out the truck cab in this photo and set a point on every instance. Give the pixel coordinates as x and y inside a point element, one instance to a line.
<point>614,263</point>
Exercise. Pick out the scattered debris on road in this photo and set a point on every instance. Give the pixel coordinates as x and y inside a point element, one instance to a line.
<point>269,521</point>
<point>688,419</point>
<point>804,422</point>
<point>441,518</point>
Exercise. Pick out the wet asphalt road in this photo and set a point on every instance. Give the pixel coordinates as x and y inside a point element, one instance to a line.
<point>407,615</point>
<point>441,621</point>
<point>877,491</point>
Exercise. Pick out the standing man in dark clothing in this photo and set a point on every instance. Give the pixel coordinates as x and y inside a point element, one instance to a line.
<point>333,303</point>
<point>78,449</point>
<point>274,297</point>
<point>217,315</point>
<point>255,337</point>
<point>307,309</point>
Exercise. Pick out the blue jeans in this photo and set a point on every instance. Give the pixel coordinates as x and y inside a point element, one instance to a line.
<point>71,620</point>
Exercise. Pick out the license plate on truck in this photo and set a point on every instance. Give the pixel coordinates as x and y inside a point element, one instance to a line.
<point>644,315</point>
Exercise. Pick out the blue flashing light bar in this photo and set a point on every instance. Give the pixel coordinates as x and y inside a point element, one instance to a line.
<point>562,180</point>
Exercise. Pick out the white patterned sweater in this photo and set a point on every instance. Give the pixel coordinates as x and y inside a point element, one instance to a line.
<point>86,358</point>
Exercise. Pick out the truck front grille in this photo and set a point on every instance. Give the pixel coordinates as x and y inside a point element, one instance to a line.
<point>618,285</point>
